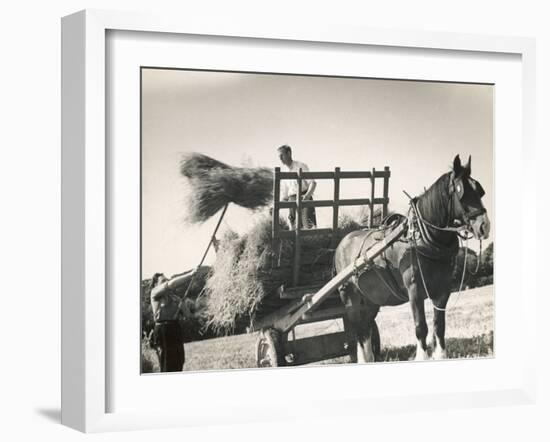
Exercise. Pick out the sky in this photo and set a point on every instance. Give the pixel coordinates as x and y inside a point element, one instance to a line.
<point>416,128</point>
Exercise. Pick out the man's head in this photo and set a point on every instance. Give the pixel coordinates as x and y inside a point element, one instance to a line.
<point>158,278</point>
<point>285,154</point>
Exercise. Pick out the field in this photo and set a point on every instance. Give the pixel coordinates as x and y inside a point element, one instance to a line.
<point>470,325</point>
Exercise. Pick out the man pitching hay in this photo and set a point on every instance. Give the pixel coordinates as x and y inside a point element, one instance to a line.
<point>168,310</point>
<point>290,189</point>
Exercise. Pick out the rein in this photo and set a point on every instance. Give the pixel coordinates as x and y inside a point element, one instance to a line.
<point>478,260</point>
<point>465,248</point>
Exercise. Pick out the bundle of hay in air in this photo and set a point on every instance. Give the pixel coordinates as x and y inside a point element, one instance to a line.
<point>214,184</point>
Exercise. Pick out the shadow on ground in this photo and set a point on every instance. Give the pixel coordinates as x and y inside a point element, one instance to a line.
<point>474,347</point>
<point>51,414</point>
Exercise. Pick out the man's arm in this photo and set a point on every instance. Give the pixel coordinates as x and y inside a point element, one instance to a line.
<point>179,280</point>
<point>284,188</point>
<point>310,189</point>
<point>158,291</point>
<point>172,284</point>
<point>312,183</point>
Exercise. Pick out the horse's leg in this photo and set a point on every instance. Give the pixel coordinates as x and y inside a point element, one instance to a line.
<point>376,345</point>
<point>351,319</point>
<point>439,335</point>
<point>365,350</point>
<point>421,327</point>
<point>440,351</point>
<point>359,319</point>
<point>368,339</point>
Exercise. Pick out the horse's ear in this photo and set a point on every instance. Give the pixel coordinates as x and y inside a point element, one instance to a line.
<point>457,166</point>
<point>468,167</point>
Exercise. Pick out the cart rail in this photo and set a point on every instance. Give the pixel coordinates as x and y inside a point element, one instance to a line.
<point>337,175</point>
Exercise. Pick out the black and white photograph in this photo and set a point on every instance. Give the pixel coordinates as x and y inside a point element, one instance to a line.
<point>293,219</point>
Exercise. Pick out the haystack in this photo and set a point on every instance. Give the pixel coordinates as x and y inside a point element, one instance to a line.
<point>248,270</point>
<point>241,277</point>
<point>214,184</point>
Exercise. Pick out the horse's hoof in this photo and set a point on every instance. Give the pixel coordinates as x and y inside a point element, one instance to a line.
<point>421,356</point>
<point>439,354</point>
<point>368,359</point>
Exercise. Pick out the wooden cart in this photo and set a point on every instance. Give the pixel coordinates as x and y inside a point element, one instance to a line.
<point>303,304</point>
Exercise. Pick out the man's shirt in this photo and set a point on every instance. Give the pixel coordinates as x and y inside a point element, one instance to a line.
<point>166,305</point>
<point>290,187</point>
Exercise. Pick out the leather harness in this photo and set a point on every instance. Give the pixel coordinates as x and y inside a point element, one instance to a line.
<point>419,236</point>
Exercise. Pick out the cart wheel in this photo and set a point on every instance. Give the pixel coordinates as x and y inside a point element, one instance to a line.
<point>268,349</point>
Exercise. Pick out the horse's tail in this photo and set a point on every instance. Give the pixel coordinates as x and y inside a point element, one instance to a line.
<point>333,268</point>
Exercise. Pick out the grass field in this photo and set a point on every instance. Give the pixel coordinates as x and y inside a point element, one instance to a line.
<point>470,325</point>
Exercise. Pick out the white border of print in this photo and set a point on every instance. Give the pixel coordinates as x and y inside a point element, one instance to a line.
<point>126,53</point>
<point>96,396</point>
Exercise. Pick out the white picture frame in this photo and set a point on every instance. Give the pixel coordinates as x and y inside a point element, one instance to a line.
<point>86,206</point>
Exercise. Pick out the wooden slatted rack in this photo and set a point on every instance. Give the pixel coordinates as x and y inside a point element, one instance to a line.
<point>336,176</point>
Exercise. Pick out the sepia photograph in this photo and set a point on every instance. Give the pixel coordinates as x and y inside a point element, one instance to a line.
<point>291,220</point>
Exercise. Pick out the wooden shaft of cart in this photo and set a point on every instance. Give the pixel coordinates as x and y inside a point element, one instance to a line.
<point>311,303</point>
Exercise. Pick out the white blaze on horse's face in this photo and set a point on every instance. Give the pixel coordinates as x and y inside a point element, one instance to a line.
<point>481,226</point>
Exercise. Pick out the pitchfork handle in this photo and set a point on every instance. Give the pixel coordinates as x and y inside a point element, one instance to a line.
<point>208,247</point>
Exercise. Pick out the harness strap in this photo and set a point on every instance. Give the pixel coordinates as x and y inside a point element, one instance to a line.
<point>372,266</point>
<point>399,294</point>
<point>416,211</point>
<point>367,236</point>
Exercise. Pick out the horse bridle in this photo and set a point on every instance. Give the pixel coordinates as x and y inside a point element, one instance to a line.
<point>456,193</point>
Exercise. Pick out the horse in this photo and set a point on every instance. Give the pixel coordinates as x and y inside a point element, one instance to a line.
<point>416,267</point>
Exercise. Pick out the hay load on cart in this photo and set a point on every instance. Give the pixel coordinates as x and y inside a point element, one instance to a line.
<point>250,270</point>
<point>264,280</point>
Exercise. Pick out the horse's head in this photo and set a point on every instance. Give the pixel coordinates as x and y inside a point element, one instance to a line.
<point>466,194</point>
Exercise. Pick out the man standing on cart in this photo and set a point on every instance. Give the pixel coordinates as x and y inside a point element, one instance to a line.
<point>169,310</point>
<point>290,189</point>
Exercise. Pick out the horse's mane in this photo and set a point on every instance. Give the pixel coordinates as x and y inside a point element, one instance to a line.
<point>434,202</point>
